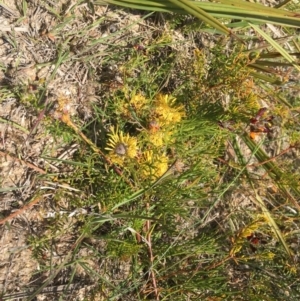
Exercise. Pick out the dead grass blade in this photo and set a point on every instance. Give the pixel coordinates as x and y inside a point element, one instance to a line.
<point>9,10</point>
<point>274,172</point>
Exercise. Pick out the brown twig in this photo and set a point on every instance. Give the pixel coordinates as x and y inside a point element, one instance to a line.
<point>30,165</point>
<point>263,162</point>
<point>148,238</point>
<point>271,159</point>
<point>18,212</point>
<point>39,118</point>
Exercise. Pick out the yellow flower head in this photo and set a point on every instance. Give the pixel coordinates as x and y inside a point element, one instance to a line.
<point>166,111</point>
<point>138,101</point>
<point>156,138</point>
<point>160,137</point>
<point>152,165</point>
<point>121,146</point>
<point>165,100</point>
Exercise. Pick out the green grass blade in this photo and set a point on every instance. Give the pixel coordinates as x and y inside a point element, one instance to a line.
<point>256,8</point>
<point>270,79</point>
<point>241,10</point>
<point>196,11</point>
<point>129,199</point>
<point>14,124</point>
<point>276,46</point>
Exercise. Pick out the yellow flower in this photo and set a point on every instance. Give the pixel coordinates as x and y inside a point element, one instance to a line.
<point>166,111</point>
<point>166,100</point>
<point>160,137</point>
<point>138,101</point>
<point>156,138</point>
<point>121,146</point>
<point>152,165</point>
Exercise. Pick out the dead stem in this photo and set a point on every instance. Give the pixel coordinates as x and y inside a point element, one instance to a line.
<point>148,238</point>
<point>18,212</point>
<point>30,165</point>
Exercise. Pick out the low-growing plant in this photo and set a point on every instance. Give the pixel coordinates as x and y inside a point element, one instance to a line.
<point>173,192</point>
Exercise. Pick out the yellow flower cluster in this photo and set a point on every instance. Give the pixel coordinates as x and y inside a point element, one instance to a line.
<point>161,121</point>
<point>164,117</point>
<point>166,112</point>
<point>152,165</point>
<point>137,103</point>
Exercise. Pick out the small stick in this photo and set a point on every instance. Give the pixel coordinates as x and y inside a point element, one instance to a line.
<point>18,212</point>
<point>30,165</point>
<point>148,238</point>
<point>271,159</point>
